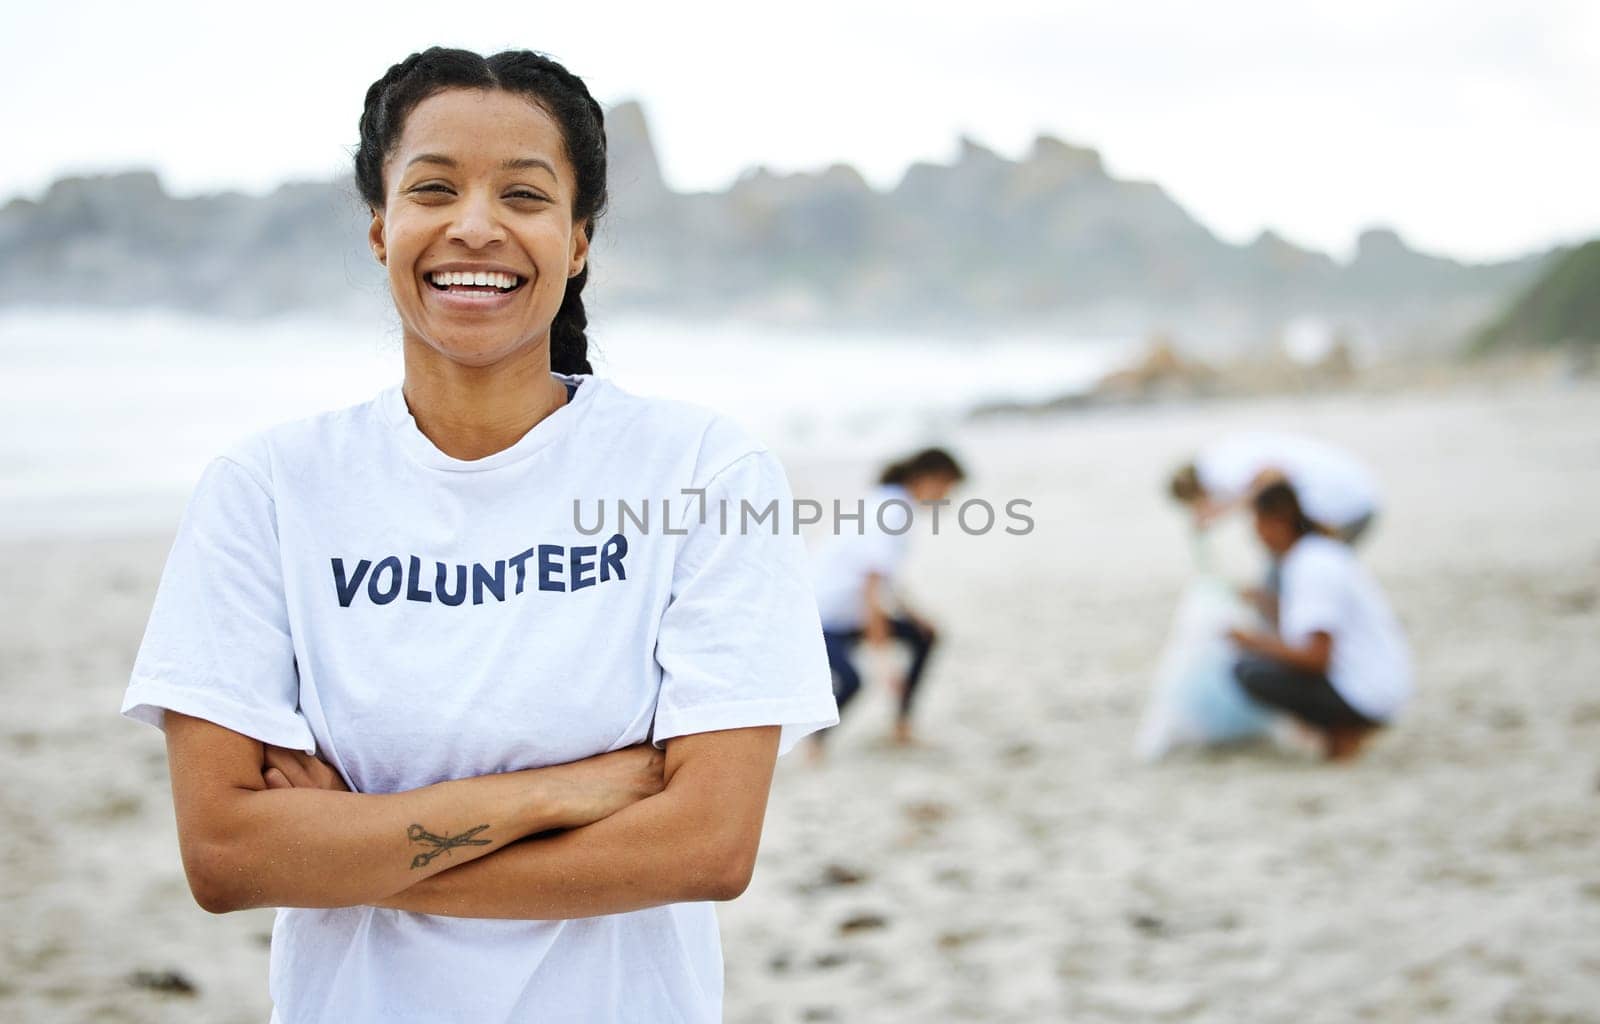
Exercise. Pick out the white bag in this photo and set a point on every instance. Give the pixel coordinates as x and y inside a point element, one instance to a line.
<point>1196,701</point>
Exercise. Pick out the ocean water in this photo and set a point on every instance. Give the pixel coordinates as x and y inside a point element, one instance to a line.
<point>106,419</point>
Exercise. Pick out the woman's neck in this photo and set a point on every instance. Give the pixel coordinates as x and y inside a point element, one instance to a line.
<point>471,412</point>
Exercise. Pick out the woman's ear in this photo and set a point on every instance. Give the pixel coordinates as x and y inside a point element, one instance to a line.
<point>375,238</point>
<point>580,248</point>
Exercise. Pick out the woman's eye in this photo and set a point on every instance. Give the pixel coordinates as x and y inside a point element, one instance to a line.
<point>523,194</point>
<point>430,188</point>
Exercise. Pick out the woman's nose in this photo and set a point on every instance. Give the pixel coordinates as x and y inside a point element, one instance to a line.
<point>476,224</point>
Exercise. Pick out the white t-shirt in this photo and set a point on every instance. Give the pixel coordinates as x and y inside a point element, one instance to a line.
<point>876,545</point>
<point>1327,590</point>
<point>1333,487</point>
<point>339,584</point>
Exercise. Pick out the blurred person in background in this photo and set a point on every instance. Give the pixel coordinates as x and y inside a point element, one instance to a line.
<point>1339,662</point>
<point>1335,489</point>
<point>854,574</point>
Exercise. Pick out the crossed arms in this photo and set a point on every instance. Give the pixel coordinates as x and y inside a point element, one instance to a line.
<point>262,826</point>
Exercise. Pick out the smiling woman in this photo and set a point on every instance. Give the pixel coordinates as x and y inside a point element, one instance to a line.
<point>513,807</point>
<point>487,171</point>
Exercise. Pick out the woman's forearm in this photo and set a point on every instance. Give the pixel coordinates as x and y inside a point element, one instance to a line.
<point>247,845</point>
<point>639,857</point>
<point>315,848</point>
<point>696,840</point>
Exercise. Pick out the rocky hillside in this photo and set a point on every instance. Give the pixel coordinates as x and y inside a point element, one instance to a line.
<point>1051,240</point>
<point>1561,307</point>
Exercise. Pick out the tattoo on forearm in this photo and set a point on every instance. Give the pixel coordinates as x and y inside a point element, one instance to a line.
<point>441,844</point>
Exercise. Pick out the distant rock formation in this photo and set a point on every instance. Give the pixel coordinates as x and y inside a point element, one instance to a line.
<point>1051,241</point>
<point>1166,373</point>
<point>1161,373</point>
<point>120,240</point>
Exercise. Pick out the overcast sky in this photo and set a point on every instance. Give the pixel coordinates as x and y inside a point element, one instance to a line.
<point>1472,127</point>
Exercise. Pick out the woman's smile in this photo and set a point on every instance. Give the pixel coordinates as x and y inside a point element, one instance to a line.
<point>461,288</point>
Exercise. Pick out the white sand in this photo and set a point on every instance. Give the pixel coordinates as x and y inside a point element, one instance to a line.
<point>1023,867</point>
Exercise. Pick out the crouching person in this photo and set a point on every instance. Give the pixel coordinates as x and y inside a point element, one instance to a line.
<point>1339,663</point>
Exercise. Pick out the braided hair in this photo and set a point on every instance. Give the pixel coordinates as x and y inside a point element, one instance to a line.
<point>557,91</point>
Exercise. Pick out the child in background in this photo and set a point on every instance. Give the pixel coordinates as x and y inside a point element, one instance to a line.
<point>854,574</point>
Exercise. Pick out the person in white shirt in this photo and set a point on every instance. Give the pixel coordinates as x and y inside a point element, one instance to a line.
<point>1336,491</point>
<point>1339,663</point>
<point>854,576</point>
<point>491,745</point>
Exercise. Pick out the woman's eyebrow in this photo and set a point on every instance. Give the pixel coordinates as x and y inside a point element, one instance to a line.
<point>431,158</point>
<point>514,164</point>
<point>523,163</point>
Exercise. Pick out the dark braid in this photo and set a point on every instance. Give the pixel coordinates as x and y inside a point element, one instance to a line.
<point>569,344</point>
<point>557,91</point>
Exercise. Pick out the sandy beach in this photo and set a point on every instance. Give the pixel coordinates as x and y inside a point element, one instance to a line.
<point>1022,866</point>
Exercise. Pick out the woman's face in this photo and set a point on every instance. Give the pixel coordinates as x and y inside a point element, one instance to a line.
<point>479,182</point>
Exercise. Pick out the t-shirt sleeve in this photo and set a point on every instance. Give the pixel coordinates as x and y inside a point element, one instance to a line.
<point>217,645</point>
<point>1313,598</point>
<point>740,642</point>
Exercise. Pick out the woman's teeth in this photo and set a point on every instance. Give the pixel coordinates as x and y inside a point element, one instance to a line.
<point>477,279</point>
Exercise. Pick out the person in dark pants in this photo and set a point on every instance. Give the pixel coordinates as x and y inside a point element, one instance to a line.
<point>854,573</point>
<point>1339,662</point>
<point>1309,696</point>
<point>917,635</point>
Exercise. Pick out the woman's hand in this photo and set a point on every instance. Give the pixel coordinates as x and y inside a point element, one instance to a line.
<point>294,769</point>
<point>598,787</point>
<point>273,828</point>
<point>583,792</point>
